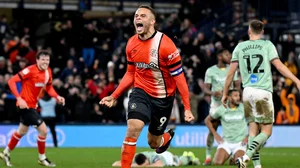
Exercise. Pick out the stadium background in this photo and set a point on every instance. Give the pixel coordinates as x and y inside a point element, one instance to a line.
<point>76,30</point>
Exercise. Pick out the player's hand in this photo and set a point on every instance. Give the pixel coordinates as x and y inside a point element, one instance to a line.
<point>219,139</point>
<point>217,94</point>
<point>22,103</point>
<point>61,100</point>
<point>245,141</point>
<point>224,101</point>
<point>108,101</point>
<point>188,116</point>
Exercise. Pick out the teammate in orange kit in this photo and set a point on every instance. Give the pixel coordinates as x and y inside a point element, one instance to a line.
<point>154,68</point>
<point>35,79</point>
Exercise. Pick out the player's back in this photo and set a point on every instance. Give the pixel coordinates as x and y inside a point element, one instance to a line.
<point>254,57</point>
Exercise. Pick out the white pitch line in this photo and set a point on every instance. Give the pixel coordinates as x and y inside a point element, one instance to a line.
<point>280,154</point>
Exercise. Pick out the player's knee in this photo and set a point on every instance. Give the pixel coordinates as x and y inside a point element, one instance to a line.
<point>218,162</point>
<point>267,129</point>
<point>133,131</point>
<point>42,129</point>
<point>43,133</point>
<point>268,133</point>
<point>21,132</point>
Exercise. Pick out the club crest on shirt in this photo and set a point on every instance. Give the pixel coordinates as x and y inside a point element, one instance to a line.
<point>153,53</point>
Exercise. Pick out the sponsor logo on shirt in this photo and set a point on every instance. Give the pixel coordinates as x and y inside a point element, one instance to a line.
<point>220,80</point>
<point>144,65</point>
<point>173,55</point>
<point>39,84</point>
<point>253,78</point>
<point>233,118</point>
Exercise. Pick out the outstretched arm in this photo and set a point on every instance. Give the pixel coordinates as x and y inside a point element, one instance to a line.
<point>183,90</point>
<point>126,81</point>
<point>50,90</point>
<point>285,71</point>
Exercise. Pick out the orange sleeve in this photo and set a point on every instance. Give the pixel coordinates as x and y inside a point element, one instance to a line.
<point>49,87</point>
<point>183,90</point>
<point>173,59</point>
<point>13,86</point>
<point>128,78</point>
<point>50,90</point>
<point>26,73</point>
<point>22,75</point>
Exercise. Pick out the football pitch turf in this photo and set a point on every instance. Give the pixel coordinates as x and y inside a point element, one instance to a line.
<point>104,157</point>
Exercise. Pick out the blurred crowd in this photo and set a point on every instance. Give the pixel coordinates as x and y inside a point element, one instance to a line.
<point>88,60</point>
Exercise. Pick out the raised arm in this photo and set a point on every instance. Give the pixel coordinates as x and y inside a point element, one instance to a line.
<point>285,71</point>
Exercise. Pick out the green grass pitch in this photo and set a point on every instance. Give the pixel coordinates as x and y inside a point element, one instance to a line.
<point>103,157</point>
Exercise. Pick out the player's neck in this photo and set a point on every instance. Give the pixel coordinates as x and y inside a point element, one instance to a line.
<point>148,35</point>
<point>232,106</point>
<point>39,68</point>
<point>221,65</point>
<point>255,37</point>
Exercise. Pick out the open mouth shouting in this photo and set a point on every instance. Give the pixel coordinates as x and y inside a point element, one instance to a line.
<point>139,27</point>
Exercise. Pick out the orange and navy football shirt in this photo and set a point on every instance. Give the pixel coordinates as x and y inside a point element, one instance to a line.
<point>156,61</point>
<point>33,82</point>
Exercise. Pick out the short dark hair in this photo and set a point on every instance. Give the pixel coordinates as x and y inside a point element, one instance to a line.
<point>43,52</point>
<point>231,91</point>
<point>256,26</point>
<point>149,8</point>
<point>219,52</point>
<point>140,159</point>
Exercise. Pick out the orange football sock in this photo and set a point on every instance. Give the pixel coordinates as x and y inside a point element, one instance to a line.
<point>128,151</point>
